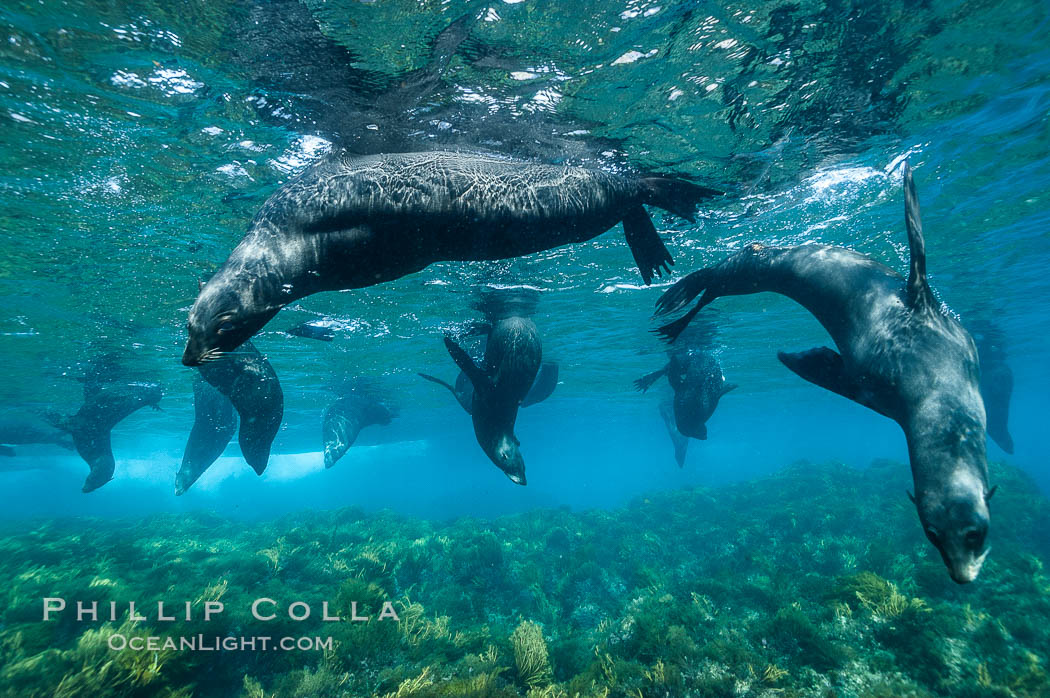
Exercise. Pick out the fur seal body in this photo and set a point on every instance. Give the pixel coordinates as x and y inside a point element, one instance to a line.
<point>248,380</point>
<point>898,355</point>
<point>698,384</point>
<point>345,418</point>
<point>105,406</point>
<point>352,222</point>
<point>214,424</point>
<point>512,359</point>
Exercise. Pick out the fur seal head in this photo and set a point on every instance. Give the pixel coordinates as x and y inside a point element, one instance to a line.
<point>222,319</point>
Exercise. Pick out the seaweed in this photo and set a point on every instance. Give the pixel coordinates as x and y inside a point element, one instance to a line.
<point>813,582</point>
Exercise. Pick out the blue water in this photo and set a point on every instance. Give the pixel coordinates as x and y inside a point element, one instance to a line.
<point>138,142</point>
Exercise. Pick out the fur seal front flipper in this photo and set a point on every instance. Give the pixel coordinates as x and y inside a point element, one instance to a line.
<point>344,419</point>
<point>997,385</point>
<point>214,424</point>
<point>544,385</point>
<point>897,354</point>
<point>824,367</point>
<point>249,381</point>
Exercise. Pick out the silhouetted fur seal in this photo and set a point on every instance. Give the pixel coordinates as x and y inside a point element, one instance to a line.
<point>312,330</point>
<point>345,418</point>
<point>105,406</point>
<point>16,430</point>
<point>214,423</point>
<point>900,355</point>
<point>249,381</point>
<point>696,378</point>
<point>351,222</point>
<point>997,385</point>
<point>512,360</point>
<point>543,387</point>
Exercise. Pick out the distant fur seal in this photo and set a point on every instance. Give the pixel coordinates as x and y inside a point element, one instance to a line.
<point>105,406</point>
<point>345,418</point>
<point>249,381</point>
<point>542,388</point>
<point>678,440</point>
<point>17,430</point>
<point>351,222</point>
<point>997,385</point>
<point>512,359</point>
<point>900,356</point>
<point>698,383</point>
<point>214,424</point>
<point>312,330</point>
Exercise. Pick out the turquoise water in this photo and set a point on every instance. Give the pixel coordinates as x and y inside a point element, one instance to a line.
<point>139,139</point>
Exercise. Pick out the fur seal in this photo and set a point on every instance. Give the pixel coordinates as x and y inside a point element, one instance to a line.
<point>249,381</point>
<point>698,384</point>
<point>898,354</point>
<point>16,430</point>
<point>105,406</point>
<point>214,423</point>
<point>997,385</point>
<point>542,388</point>
<point>512,359</point>
<point>679,441</point>
<point>351,222</point>
<point>345,418</point>
<point>312,330</point>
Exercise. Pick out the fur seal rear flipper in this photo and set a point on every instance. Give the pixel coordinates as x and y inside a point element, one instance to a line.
<point>249,381</point>
<point>105,406</point>
<point>897,354</point>
<point>352,222</point>
<point>214,424</point>
<point>18,429</point>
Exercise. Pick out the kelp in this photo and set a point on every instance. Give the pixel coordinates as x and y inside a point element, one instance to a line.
<point>816,581</point>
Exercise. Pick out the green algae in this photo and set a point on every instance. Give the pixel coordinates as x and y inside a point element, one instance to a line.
<point>815,582</point>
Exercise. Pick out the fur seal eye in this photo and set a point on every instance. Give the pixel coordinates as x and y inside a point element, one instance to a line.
<point>932,534</point>
<point>225,326</point>
<point>974,539</point>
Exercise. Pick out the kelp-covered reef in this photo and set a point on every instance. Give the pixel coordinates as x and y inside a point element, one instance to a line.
<point>814,582</point>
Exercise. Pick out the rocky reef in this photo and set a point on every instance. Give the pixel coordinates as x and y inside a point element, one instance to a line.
<point>814,582</point>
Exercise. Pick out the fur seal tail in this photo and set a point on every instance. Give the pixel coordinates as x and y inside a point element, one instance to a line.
<point>676,195</point>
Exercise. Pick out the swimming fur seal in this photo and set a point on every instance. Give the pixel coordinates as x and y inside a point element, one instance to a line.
<point>105,406</point>
<point>679,441</point>
<point>345,418</point>
<point>899,355</point>
<point>312,330</point>
<point>249,381</point>
<point>698,384</point>
<point>542,388</point>
<point>512,360</point>
<point>351,222</point>
<point>997,385</point>
<point>16,430</point>
<point>214,423</point>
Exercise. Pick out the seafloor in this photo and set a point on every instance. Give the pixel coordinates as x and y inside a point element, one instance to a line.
<point>815,582</point>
